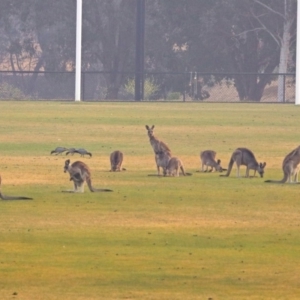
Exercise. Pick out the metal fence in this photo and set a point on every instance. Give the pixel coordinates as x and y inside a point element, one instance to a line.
<point>164,86</point>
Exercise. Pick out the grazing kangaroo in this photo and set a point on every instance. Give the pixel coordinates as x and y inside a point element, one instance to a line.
<point>4,197</point>
<point>80,151</point>
<point>290,167</point>
<point>79,173</point>
<point>208,159</point>
<point>116,160</point>
<point>157,145</point>
<point>245,157</point>
<point>58,150</point>
<point>174,166</point>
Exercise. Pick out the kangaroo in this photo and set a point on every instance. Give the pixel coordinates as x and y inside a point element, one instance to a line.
<point>161,150</point>
<point>116,160</point>
<point>208,159</point>
<point>290,167</point>
<point>4,197</point>
<point>162,159</point>
<point>245,157</point>
<point>174,166</point>
<point>58,150</point>
<point>157,145</point>
<point>79,173</point>
<point>80,151</point>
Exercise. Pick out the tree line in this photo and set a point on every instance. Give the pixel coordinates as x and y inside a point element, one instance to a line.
<point>228,37</point>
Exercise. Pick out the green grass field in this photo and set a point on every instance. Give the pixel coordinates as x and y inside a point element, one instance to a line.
<point>197,237</point>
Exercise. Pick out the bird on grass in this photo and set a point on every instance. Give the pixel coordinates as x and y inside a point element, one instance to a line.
<point>59,150</point>
<point>80,151</point>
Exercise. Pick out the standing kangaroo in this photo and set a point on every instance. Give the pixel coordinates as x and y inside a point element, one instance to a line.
<point>161,150</point>
<point>208,159</point>
<point>4,197</point>
<point>174,166</point>
<point>245,157</point>
<point>79,173</point>
<point>116,160</point>
<point>290,167</point>
<point>157,145</point>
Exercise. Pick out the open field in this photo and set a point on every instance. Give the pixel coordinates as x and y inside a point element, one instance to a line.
<point>198,237</point>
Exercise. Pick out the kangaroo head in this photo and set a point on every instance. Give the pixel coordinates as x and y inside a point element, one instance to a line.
<point>66,167</point>
<point>150,130</point>
<point>114,167</point>
<point>261,169</point>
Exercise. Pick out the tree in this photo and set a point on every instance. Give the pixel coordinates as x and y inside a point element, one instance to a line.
<point>38,34</point>
<point>17,32</point>
<point>231,36</point>
<point>55,23</point>
<point>248,47</point>
<point>225,36</point>
<point>108,40</point>
<point>172,41</point>
<point>286,11</point>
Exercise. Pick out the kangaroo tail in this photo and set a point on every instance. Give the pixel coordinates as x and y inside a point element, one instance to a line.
<point>275,181</point>
<point>229,167</point>
<point>89,183</point>
<point>283,180</point>
<point>102,190</point>
<point>182,170</point>
<point>3,197</point>
<point>92,189</point>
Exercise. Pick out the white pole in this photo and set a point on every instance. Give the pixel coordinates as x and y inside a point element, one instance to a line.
<point>297,100</point>
<point>78,51</point>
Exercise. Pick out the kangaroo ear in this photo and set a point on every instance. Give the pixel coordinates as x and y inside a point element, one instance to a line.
<point>262,165</point>
<point>67,161</point>
<point>218,161</point>
<point>152,127</point>
<point>147,127</point>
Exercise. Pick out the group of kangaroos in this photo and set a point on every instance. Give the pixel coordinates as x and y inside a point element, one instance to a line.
<point>240,156</point>
<point>172,166</point>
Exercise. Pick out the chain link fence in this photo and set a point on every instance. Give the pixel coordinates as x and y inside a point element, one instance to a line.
<point>161,86</point>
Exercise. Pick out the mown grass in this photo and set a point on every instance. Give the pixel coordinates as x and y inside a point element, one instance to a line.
<point>197,237</point>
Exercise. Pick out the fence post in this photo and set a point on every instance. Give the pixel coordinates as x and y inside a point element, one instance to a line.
<point>82,85</point>
<point>195,86</point>
<point>283,88</point>
<point>78,50</point>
